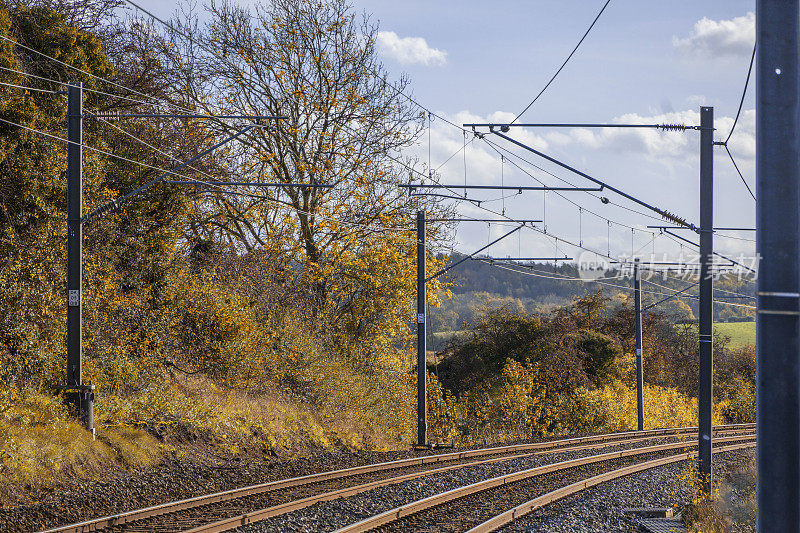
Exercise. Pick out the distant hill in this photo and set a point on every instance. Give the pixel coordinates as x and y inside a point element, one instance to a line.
<point>478,285</point>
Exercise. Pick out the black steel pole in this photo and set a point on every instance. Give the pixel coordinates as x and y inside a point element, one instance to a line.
<point>78,397</point>
<point>704,388</point>
<point>422,415</point>
<point>777,178</point>
<point>637,303</point>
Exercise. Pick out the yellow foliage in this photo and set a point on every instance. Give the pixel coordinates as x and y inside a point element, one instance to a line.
<point>613,408</point>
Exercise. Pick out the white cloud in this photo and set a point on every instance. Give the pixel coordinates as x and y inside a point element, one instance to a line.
<point>696,99</point>
<point>409,50</point>
<point>719,38</point>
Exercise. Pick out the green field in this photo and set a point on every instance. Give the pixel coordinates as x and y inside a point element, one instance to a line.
<point>741,333</point>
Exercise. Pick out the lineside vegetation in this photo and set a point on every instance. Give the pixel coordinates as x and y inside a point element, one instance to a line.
<point>276,320</point>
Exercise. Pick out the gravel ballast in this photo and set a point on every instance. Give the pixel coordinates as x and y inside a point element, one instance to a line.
<point>198,470</point>
<point>332,515</point>
<point>175,478</point>
<point>600,508</point>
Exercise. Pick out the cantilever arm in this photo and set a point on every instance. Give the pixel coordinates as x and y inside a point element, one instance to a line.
<point>114,204</point>
<point>666,214</point>
<point>445,269</point>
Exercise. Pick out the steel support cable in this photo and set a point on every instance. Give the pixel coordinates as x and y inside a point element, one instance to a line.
<point>670,297</point>
<point>84,88</point>
<point>376,74</point>
<point>568,278</point>
<point>495,147</point>
<point>625,287</point>
<point>98,78</point>
<point>498,148</point>
<point>216,54</point>
<point>156,101</point>
<point>596,196</point>
<point>562,276</point>
<point>744,93</point>
<point>694,284</point>
<point>738,294</point>
<point>114,204</point>
<point>153,98</point>
<point>668,216</point>
<point>30,88</point>
<point>736,120</point>
<point>400,231</point>
<point>722,235</point>
<point>564,64</point>
<point>738,171</point>
<point>715,253</point>
<point>410,99</point>
<point>465,258</point>
<point>33,76</point>
<point>576,204</point>
<point>122,87</point>
<point>430,113</point>
<point>608,221</point>
<point>463,148</point>
<point>583,280</point>
<point>534,228</point>
<point>215,183</point>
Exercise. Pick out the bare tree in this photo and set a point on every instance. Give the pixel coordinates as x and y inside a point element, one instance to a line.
<point>314,63</point>
<point>346,127</point>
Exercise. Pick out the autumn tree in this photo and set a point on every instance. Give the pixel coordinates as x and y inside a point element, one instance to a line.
<point>345,128</point>
<point>127,253</point>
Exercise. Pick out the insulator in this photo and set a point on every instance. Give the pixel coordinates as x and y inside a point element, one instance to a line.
<point>672,127</point>
<point>674,218</point>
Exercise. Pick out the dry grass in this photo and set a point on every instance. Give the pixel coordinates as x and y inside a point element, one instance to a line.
<point>41,447</point>
<point>731,508</point>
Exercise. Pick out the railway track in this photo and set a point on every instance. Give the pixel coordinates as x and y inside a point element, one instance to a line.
<point>224,511</point>
<point>489,505</point>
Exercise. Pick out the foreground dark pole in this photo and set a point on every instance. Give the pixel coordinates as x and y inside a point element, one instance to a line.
<point>422,415</point>
<point>777,176</point>
<point>79,398</point>
<point>637,321</point>
<point>704,389</point>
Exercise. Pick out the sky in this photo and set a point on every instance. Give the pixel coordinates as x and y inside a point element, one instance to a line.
<point>645,61</point>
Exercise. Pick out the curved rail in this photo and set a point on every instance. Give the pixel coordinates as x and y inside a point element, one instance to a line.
<point>519,511</point>
<point>460,492</point>
<point>99,524</point>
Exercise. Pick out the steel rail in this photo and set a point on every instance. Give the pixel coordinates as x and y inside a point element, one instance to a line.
<point>519,511</point>
<point>228,524</point>
<point>231,523</point>
<point>568,444</point>
<point>467,490</point>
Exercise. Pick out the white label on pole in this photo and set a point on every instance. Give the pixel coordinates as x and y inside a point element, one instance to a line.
<point>420,318</point>
<point>638,351</point>
<point>74,298</point>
